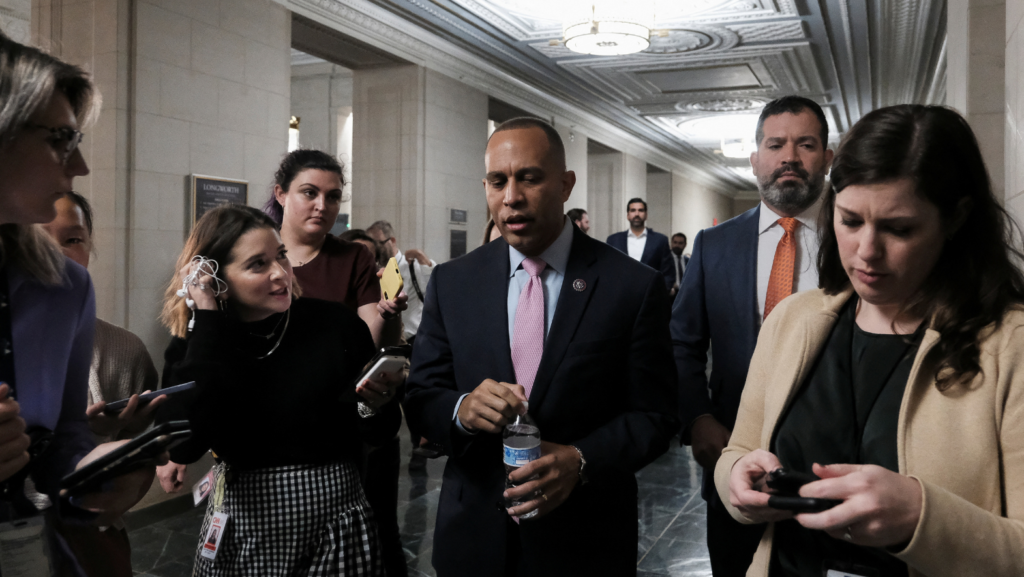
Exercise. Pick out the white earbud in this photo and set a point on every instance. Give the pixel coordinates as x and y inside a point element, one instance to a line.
<point>201,266</point>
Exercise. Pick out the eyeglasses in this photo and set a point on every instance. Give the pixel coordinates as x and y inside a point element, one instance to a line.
<point>64,139</point>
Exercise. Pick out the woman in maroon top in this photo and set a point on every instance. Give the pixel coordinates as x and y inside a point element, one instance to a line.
<point>306,202</point>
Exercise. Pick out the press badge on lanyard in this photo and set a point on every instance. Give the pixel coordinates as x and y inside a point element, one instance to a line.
<point>219,521</point>
<point>24,551</point>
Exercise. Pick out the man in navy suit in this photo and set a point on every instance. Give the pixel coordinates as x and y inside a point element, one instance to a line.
<point>601,388</point>
<point>722,300</point>
<point>643,244</point>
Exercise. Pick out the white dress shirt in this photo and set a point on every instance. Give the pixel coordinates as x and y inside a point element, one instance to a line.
<point>635,244</point>
<point>805,274</point>
<point>557,258</point>
<point>411,316</point>
<point>680,261</point>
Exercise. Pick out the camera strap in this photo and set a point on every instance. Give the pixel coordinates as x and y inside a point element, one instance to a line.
<point>412,277</point>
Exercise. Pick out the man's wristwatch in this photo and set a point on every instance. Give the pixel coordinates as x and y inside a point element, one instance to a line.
<point>583,466</point>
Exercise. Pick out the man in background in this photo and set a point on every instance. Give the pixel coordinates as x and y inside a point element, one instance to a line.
<point>580,218</point>
<point>679,260</point>
<point>739,271</point>
<point>642,243</point>
<point>415,267</point>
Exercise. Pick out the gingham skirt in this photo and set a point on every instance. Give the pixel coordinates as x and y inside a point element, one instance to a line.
<point>297,520</point>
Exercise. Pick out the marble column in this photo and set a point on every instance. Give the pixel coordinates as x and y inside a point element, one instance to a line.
<point>418,153</point>
<point>975,85</point>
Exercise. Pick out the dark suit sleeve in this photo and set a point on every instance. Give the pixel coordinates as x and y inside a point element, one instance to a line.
<point>642,431</point>
<point>691,335</point>
<point>668,265</point>
<point>431,390</point>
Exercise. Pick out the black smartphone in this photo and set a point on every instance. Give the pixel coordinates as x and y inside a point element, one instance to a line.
<point>802,504</point>
<point>139,452</point>
<point>787,481</point>
<point>786,484</point>
<point>119,405</point>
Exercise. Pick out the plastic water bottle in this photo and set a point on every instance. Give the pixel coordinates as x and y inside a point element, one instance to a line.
<point>522,445</point>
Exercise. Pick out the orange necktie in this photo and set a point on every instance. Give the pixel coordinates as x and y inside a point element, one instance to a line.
<point>780,284</point>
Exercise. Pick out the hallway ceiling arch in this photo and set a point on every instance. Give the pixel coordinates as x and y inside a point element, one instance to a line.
<point>712,64</point>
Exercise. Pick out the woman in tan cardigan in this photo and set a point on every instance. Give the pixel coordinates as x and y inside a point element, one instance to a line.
<point>900,383</point>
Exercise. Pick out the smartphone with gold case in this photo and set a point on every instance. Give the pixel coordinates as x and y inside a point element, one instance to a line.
<point>391,281</point>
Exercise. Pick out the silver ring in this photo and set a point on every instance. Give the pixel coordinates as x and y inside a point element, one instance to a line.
<point>386,394</point>
<point>848,535</point>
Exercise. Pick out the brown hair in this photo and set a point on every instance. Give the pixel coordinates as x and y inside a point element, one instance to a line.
<point>214,237</point>
<point>294,163</point>
<point>487,231</point>
<point>28,80</point>
<point>974,282</point>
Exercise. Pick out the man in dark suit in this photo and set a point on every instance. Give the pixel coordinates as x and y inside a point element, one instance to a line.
<point>643,244</point>
<point>736,274</point>
<point>679,261</point>
<point>592,356</point>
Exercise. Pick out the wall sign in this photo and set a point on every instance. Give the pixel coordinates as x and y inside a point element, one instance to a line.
<point>459,216</point>
<point>212,191</point>
<point>457,244</point>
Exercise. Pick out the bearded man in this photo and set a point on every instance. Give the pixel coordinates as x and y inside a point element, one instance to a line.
<point>737,273</point>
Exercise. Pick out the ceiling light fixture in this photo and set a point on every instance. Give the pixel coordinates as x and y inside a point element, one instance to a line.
<point>738,147</point>
<point>609,27</point>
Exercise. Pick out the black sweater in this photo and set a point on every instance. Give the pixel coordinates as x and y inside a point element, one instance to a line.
<point>280,410</point>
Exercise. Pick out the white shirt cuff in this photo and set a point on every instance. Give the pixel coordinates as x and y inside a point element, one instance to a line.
<point>455,417</point>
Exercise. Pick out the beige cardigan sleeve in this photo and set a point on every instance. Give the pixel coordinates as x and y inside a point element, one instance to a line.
<point>746,436</point>
<point>954,536</point>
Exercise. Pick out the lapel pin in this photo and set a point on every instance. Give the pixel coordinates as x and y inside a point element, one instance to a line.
<point>580,285</point>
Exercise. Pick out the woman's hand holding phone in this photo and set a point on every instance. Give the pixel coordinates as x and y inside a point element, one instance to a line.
<point>745,482</point>
<point>122,493</point>
<point>132,420</point>
<point>380,389</point>
<point>390,309</point>
<point>13,440</point>
<point>880,508</point>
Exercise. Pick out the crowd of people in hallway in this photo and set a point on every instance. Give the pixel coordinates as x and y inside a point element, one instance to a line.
<point>862,416</point>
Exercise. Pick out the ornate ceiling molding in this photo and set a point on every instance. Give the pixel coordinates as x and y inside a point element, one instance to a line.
<point>373,25</point>
<point>828,50</point>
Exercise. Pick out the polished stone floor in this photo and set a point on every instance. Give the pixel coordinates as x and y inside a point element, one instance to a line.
<point>671,522</point>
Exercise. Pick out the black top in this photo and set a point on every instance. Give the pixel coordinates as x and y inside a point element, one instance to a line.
<point>846,412</point>
<point>6,336</point>
<point>282,409</point>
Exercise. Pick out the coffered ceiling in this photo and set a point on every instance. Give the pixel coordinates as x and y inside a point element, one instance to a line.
<point>711,66</point>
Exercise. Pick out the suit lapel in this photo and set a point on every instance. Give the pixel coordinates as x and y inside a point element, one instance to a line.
<point>748,252</point>
<point>571,306</point>
<point>648,249</point>
<point>494,313</point>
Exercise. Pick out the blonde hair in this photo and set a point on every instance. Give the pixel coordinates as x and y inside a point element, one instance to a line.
<point>28,80</point>
<point>214,237</point>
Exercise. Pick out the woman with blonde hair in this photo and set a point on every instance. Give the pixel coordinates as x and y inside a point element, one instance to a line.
<point>47,308</point>
<point>270,370</point>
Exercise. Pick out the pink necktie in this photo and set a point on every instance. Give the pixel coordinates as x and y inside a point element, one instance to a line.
<point>528,334</point>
